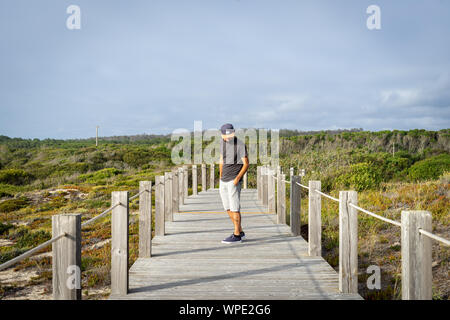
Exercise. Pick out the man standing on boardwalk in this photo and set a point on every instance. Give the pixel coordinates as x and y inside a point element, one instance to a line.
<point>232,167</point>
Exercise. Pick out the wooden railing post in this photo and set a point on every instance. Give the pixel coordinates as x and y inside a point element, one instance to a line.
<point>175,192</point>
<point>159,206</point>
<point>348,242</point>
<point>258,182</point>
<point>278,195</point>
<point>186,182</point>
<point>295,205</point>
<point>245,180</point>
<point>168,212</point>
<point>145,219</point>
<point>281,198</point>
<point>66,257</point>
<point>416,256</point>
<point>314,220</point>
<point>204,177</point>
<point>194,179</point>
<point>291,173</point>
<point>211,177</point>
<point>119,243</point>
<point>265,183</point>
<point>180,186</point>
<point>271,191</point>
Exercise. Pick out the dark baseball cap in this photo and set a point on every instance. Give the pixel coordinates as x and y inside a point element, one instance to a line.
<point>227,128</point>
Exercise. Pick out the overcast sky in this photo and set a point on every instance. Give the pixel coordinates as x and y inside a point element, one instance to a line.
<point>153,66</point>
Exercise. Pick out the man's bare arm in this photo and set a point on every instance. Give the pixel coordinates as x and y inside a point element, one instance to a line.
<point>242,172</point>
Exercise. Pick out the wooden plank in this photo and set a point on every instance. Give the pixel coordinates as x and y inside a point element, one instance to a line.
<point>159,206</point>
<point>168,213</point>
<point>211,176</point>
<point>348,242</point>
<point>66,253</point>
<point>258,181</point>
<point>314,219</point>
<point>271,199</point>
<point>204,188</point>
<point>265,177</point>
<point>194,179</point>
<point>281,198</point>
<point>416,256</point>
<point>186,182</point>
<point>119,243</point>
<point>145,219</point>
<point>175,192</point>
<point>295,205</point>
<point>272,263</point>
<point>180,186</point>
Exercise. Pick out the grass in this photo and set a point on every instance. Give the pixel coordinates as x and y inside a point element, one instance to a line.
<point>39,179</point>
<point>379,242</point>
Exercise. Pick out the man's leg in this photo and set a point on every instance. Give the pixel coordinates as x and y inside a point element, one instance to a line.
<point>236,218</point>
<point>235,207</point>
<point>232,218</point>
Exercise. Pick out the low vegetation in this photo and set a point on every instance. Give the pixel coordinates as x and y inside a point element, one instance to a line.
<point>41,178</point>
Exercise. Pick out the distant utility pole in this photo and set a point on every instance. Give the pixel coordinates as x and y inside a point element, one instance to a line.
<point>393,149</point>
<point>96,136</point>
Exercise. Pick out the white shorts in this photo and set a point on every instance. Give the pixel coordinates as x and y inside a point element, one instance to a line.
<point>231,195</point>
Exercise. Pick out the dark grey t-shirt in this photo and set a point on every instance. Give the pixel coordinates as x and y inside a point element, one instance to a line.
<point>232,152</point>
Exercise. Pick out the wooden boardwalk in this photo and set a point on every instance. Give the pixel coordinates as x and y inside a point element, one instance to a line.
<point>190,262</point>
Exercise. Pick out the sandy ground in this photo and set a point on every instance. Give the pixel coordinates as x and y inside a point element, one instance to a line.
<point>22,291</point>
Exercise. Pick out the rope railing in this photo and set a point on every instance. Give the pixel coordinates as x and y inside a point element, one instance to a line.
<point>398,224</point>
<point>61,268</point>
<point>100,215</point>
<point>435,237</point>
<point>364,210</point>
<point>49,242</point>
<point>30,252</point>
<point>326,195</point>
<point>116,205</point>
<point>415,225</point>
<point>137,195</point>
<point>301,185</point>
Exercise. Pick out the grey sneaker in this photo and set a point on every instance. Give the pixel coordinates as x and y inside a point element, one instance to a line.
<point>232,239</point>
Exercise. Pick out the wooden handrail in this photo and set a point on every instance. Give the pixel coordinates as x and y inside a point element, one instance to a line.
<point>416,250</point>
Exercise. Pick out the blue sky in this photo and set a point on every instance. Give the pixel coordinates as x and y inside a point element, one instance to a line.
<point>154,66</point>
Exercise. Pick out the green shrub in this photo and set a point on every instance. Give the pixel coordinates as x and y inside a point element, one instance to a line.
<point>70,168</point>
<point>4,228</point>
<point>7,190</point>
<point>96,161</point>
<point>10,254</point>
<point>100,176</point>
<point>361,176</point>
<point>30,239</point>
<point>430,168</point>
<point>136,158</point>
<point>13,205</point>
<point>15,177</point>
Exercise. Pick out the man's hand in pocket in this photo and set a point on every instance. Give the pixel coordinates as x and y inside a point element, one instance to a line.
<point>236,181</point>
